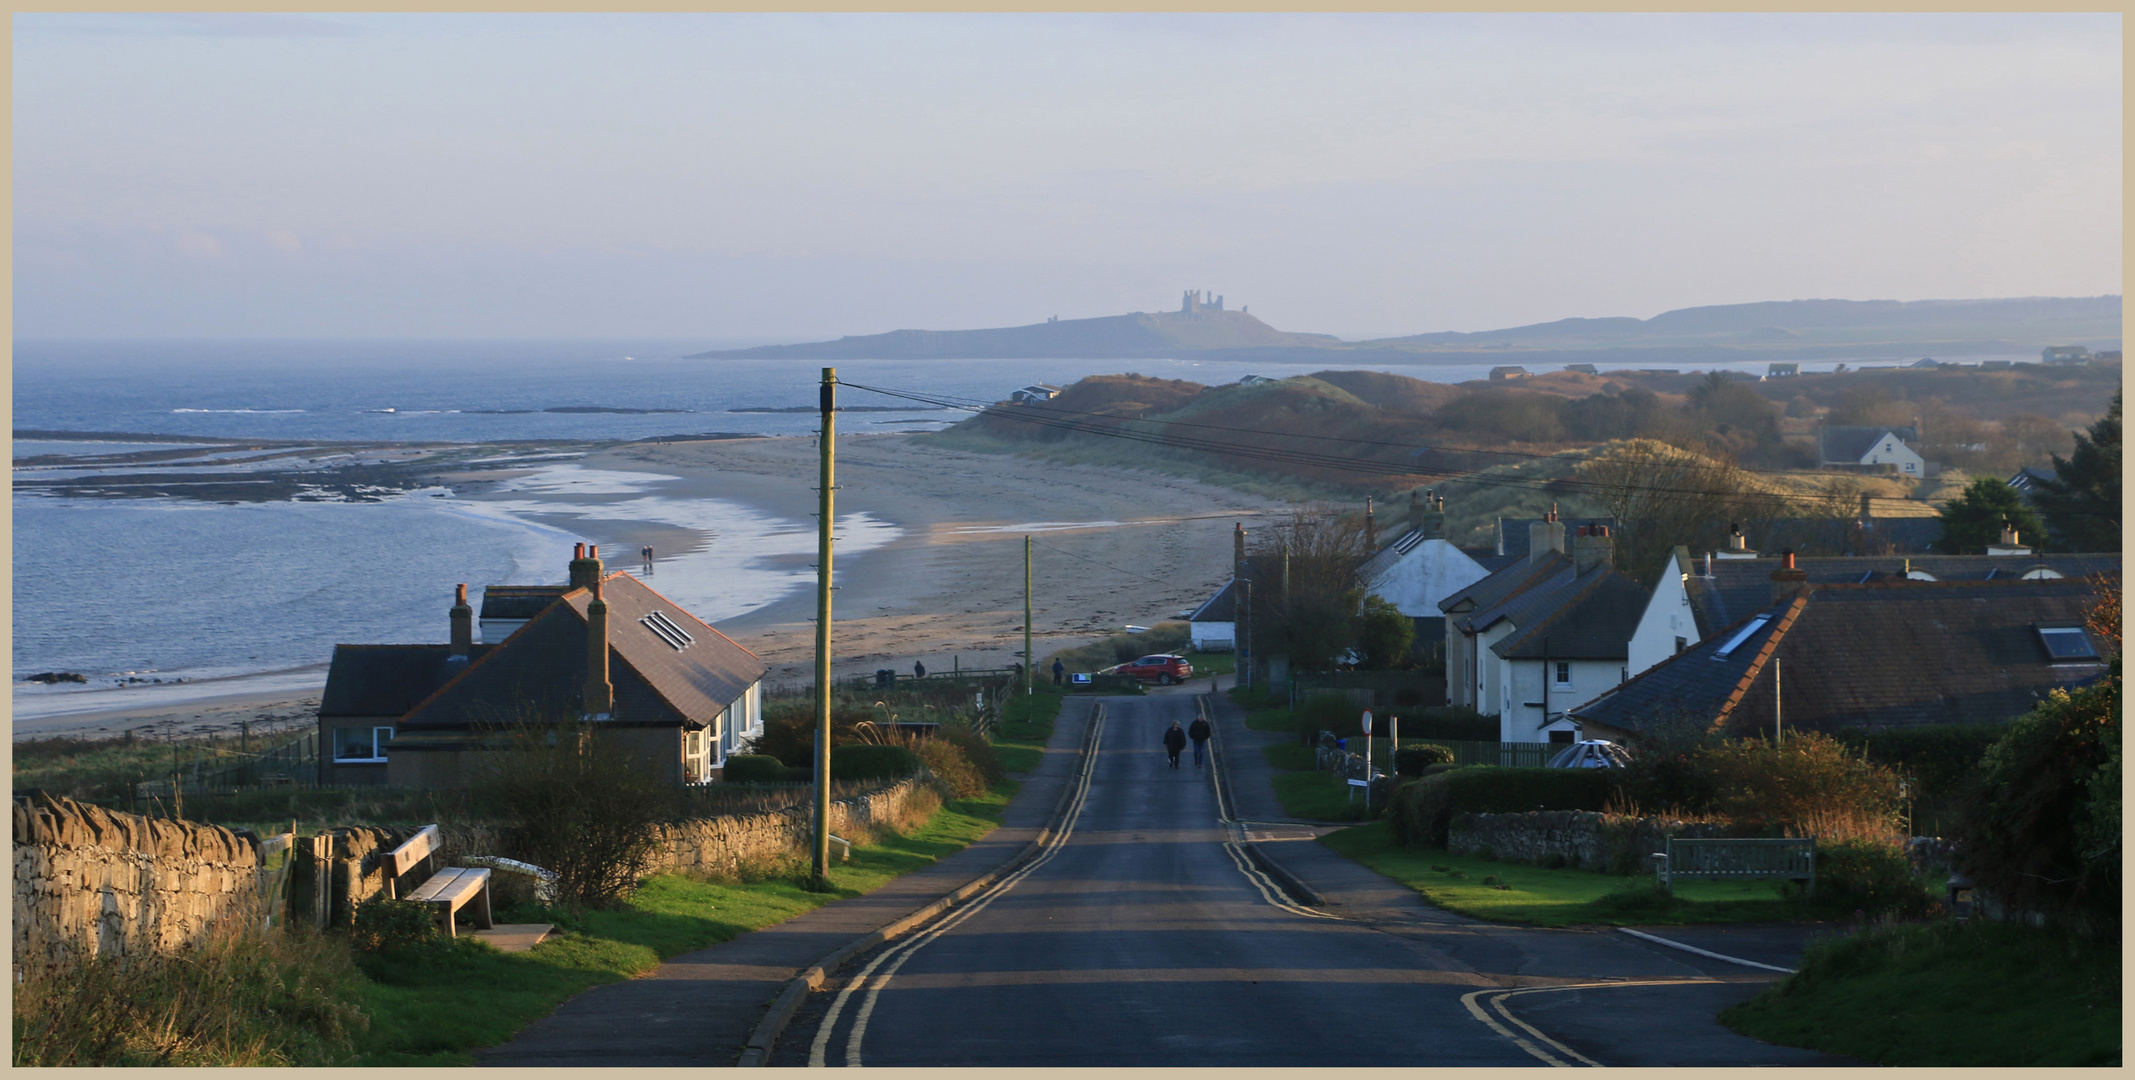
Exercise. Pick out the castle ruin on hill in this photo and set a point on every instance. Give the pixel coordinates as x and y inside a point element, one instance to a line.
<point>1194,305</point>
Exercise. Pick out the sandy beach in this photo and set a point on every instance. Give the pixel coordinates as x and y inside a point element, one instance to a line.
<point>1112,547</point>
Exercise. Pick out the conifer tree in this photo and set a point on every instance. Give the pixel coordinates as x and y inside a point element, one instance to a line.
<point>2082,502</point>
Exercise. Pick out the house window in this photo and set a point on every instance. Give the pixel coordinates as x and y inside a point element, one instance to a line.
<point>361,743</point>
<point>1681,644</point>
<point>2067,643</point>
<point>696,756</point>
<point>1564,674</point>
<point>1908,466</point>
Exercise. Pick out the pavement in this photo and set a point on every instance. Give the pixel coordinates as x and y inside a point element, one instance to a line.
<point>701,1007</point>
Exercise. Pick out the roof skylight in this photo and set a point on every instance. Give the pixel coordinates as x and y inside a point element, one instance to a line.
<point>660,624</point>
<point>2065,643</point>
<point>1742,635</point>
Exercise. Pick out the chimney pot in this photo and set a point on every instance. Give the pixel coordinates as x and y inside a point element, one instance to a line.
<point>1787,580</point>
<point>462,618</point>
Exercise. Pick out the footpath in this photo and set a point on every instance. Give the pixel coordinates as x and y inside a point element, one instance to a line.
<point>700,1008</point>
<point>1661,1010</point>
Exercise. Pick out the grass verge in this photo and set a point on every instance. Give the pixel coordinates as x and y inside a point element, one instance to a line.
<point>1026,725</point>
<point>437,1006</point>
<point>1538,896</point>
<point>1947,994</point>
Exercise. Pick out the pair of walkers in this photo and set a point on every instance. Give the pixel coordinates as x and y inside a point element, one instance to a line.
<point>1175,740</point>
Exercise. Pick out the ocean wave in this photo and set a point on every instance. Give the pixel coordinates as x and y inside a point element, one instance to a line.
<point>237,410</point>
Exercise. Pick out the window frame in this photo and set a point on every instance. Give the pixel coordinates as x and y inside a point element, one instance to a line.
<point>377,743</point>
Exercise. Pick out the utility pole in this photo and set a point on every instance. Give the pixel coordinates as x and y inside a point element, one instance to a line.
<point>1028,659</point>
<point>1779,735</point>
<point>828,398</point>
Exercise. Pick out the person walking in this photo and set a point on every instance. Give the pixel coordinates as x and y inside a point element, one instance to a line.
<point>1059,673</point>
<point>1174,741</point>
<point>1199,733</point>
<point>919,670</point>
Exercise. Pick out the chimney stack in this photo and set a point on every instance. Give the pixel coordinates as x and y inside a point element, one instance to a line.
<point>1418,503</point>
<point>1787,581</point>
<point>1592,548</point>
<point>2009,544</point>
<point>600,693</point>
<point>1545,536</point>
<point>1738,546</point>
<point>1434,518</point>
<point>462,625</point>
<point>585,565</point>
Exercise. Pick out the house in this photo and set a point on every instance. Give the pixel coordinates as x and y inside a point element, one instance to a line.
<point>1255,380</point>
<point>1879,654</point>
<point>1782,370</point>
<point>1509,371</point>
<point>2065,354</point>
<point>1583,369</point>
<point>1547,632</point>
<point>605,648</point>
<point>1929,362</point>
<point>1213,627</point>
<point>1886,448</point>
<point>1420,568</point>
<point>2026,480</point>
<point>1033,393</point>
<point>1697,597</point>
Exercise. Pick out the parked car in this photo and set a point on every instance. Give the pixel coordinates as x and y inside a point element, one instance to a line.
<point>1591,754</point>
<point>1165,668</point>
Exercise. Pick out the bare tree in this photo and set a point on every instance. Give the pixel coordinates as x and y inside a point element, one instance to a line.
<point>1662,496</point>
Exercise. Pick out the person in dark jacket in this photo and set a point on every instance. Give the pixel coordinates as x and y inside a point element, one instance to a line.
<point>1174,741</point>
<point>919,669</point>
<point>1059,673</point>
<point>1199,733</point>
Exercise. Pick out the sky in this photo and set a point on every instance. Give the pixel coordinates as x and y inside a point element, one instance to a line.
<point>733,177</point>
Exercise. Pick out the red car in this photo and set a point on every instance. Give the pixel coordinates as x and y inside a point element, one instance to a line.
<point>1165,668</point>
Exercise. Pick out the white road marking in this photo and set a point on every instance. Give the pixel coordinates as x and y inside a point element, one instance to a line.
<point>1269,890</point>
<point>1657,940</point>
<point>1497,1003</point>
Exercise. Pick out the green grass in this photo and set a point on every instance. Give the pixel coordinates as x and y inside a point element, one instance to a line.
<point>1026,724</point>
<point>1948,994</point>
<point>437,1009</point>
<point>1212,663</point>
<point>1316,796</point>
<point>1290,757</point>
<point>1263,711</point>
<point>1544,897</point>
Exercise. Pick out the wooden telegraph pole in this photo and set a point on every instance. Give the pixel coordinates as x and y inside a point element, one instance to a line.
<point>1028,659</point>
<point>821,846</point>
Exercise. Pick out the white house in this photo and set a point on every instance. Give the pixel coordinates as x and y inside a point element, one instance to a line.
<point>1421,568</point>
<point>1214,625</point>
<point>1871,446</point>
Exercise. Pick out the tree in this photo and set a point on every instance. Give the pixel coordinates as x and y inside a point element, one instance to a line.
<point>580,805</point>
<point>2082,501</point>
<point>1385,637</point>
<point>1305,598</point>
<point>1662,496</point>
<point>1975,517</point>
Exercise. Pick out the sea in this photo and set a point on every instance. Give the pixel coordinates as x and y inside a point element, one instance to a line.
<point>163,600</point>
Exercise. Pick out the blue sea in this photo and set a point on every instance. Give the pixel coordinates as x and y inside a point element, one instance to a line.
<point>235,598</point>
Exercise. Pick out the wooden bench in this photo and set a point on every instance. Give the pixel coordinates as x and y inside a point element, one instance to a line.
<point>446,891</point>
<point>1736,860</point>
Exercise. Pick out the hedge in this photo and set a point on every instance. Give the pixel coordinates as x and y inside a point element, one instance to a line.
<point>1939,757</point>
<point>866,761</point>
<point>1412,760</point>
<point>754,769</point>
<point>1422,810</point>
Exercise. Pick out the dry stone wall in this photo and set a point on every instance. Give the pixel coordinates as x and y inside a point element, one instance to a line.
<point>723,845</point>
<point>93,882</point>
<point>1583,839</point>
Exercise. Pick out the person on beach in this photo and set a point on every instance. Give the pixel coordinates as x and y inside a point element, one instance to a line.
<point>919,670</point>
<point>1059,673</point>
<point>1199,733</point>
<point>1174,741</point>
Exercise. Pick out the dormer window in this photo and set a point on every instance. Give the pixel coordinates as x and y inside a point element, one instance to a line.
<point>2068,644</point>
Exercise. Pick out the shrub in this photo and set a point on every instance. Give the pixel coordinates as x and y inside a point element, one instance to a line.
<point>1413,760</point>
<point>580,805</point>
<point>2044,834</point>
<point>1453,723</point>
<point>1941,758</point>
<point>1328,712</point>
<point>1870,877</point>
<point>1808,785</point>
<point>754,769</point>
<point>862,761</point>
<point>976,750</point>
<point>381,924</point>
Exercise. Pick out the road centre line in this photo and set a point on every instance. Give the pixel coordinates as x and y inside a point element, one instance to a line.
<point>1269,890</point>
<point>818,1051</point>
<point>1497,1003</point>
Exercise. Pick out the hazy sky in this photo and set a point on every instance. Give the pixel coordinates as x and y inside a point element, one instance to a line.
<point>805,176</point>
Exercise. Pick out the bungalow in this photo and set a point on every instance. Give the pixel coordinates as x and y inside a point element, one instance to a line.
<point>1878,654</point>
<point>1871,447</point>
<point>1509,371</point>
<point>604,648</point>
<point>1213,627</point>
<point>1697,597</point>
<point>1542,634</point>
<point>1583,369</point>
<point>2065,354</point>
<point>1034,392</point>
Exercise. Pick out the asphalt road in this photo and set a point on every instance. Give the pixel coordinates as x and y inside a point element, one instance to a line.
<point>1145,939</point>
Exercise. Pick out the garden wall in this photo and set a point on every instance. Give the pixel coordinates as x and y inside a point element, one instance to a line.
<point>723,845</point>
<point>91,881</point>
<point>1581,838</point>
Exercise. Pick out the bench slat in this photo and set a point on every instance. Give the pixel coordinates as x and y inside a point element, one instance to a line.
<point>418,848</point>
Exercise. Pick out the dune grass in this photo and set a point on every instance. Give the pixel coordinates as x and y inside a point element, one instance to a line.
<point>1948,994</point>
<point>1537,896</point>
<point>436,1006</point>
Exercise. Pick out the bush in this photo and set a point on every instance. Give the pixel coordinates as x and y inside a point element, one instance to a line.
<point>754,769</point>
<point>863,761</point>
<point>961,759</point>
<point>580,805</point>
<point>1412,760</point>
<point>1421,812</point>
<point>1869,877</point>
<point>2044,835</point>
<point>382,924</point>
<point>1807,786</point>
<point>1453,723</point>
<point>1941,758</point>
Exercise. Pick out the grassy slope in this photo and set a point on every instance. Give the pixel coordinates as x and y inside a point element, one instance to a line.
<point>1948,994</point>
<point>438,1015</point>
<point>1543,897</point>
<point>1025,727</point>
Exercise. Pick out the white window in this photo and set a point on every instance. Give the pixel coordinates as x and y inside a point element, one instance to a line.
<point>1564,673</point>
<point>696,756</point>
<point>1908,466</point>
<point>361,743</point>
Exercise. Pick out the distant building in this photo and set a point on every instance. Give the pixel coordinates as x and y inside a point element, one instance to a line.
<point>2026,480</point>
<point>1840,445</point>
<point>1192,304</point>
<point>1034,392</point>
<point>1421,567</point>
<point>2065,354</point>
<point>1213,627</point>
<point>1255,380</point>
<point>2109,356</point>
<point>1583,369</point>
<point>1929,362</point>
<point>1782,371</point>
<point>1509,371</point>
<point>1996,363</point>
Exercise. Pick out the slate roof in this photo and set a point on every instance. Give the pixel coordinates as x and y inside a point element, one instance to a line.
<point>1222,607</point>
<point>1739,588</point>
<point>1489,596</point>
<point>386,680</point>
<point>541,668</point>
<point>1843,443</point>
<point>1590,617</point>
<point>519,601</point>
<point>1885,654</point>
<point>1511,533</point>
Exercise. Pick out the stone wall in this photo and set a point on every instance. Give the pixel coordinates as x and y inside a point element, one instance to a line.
<point>723,845</point>
<point>94,882</point>
<point>1583,839</point>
